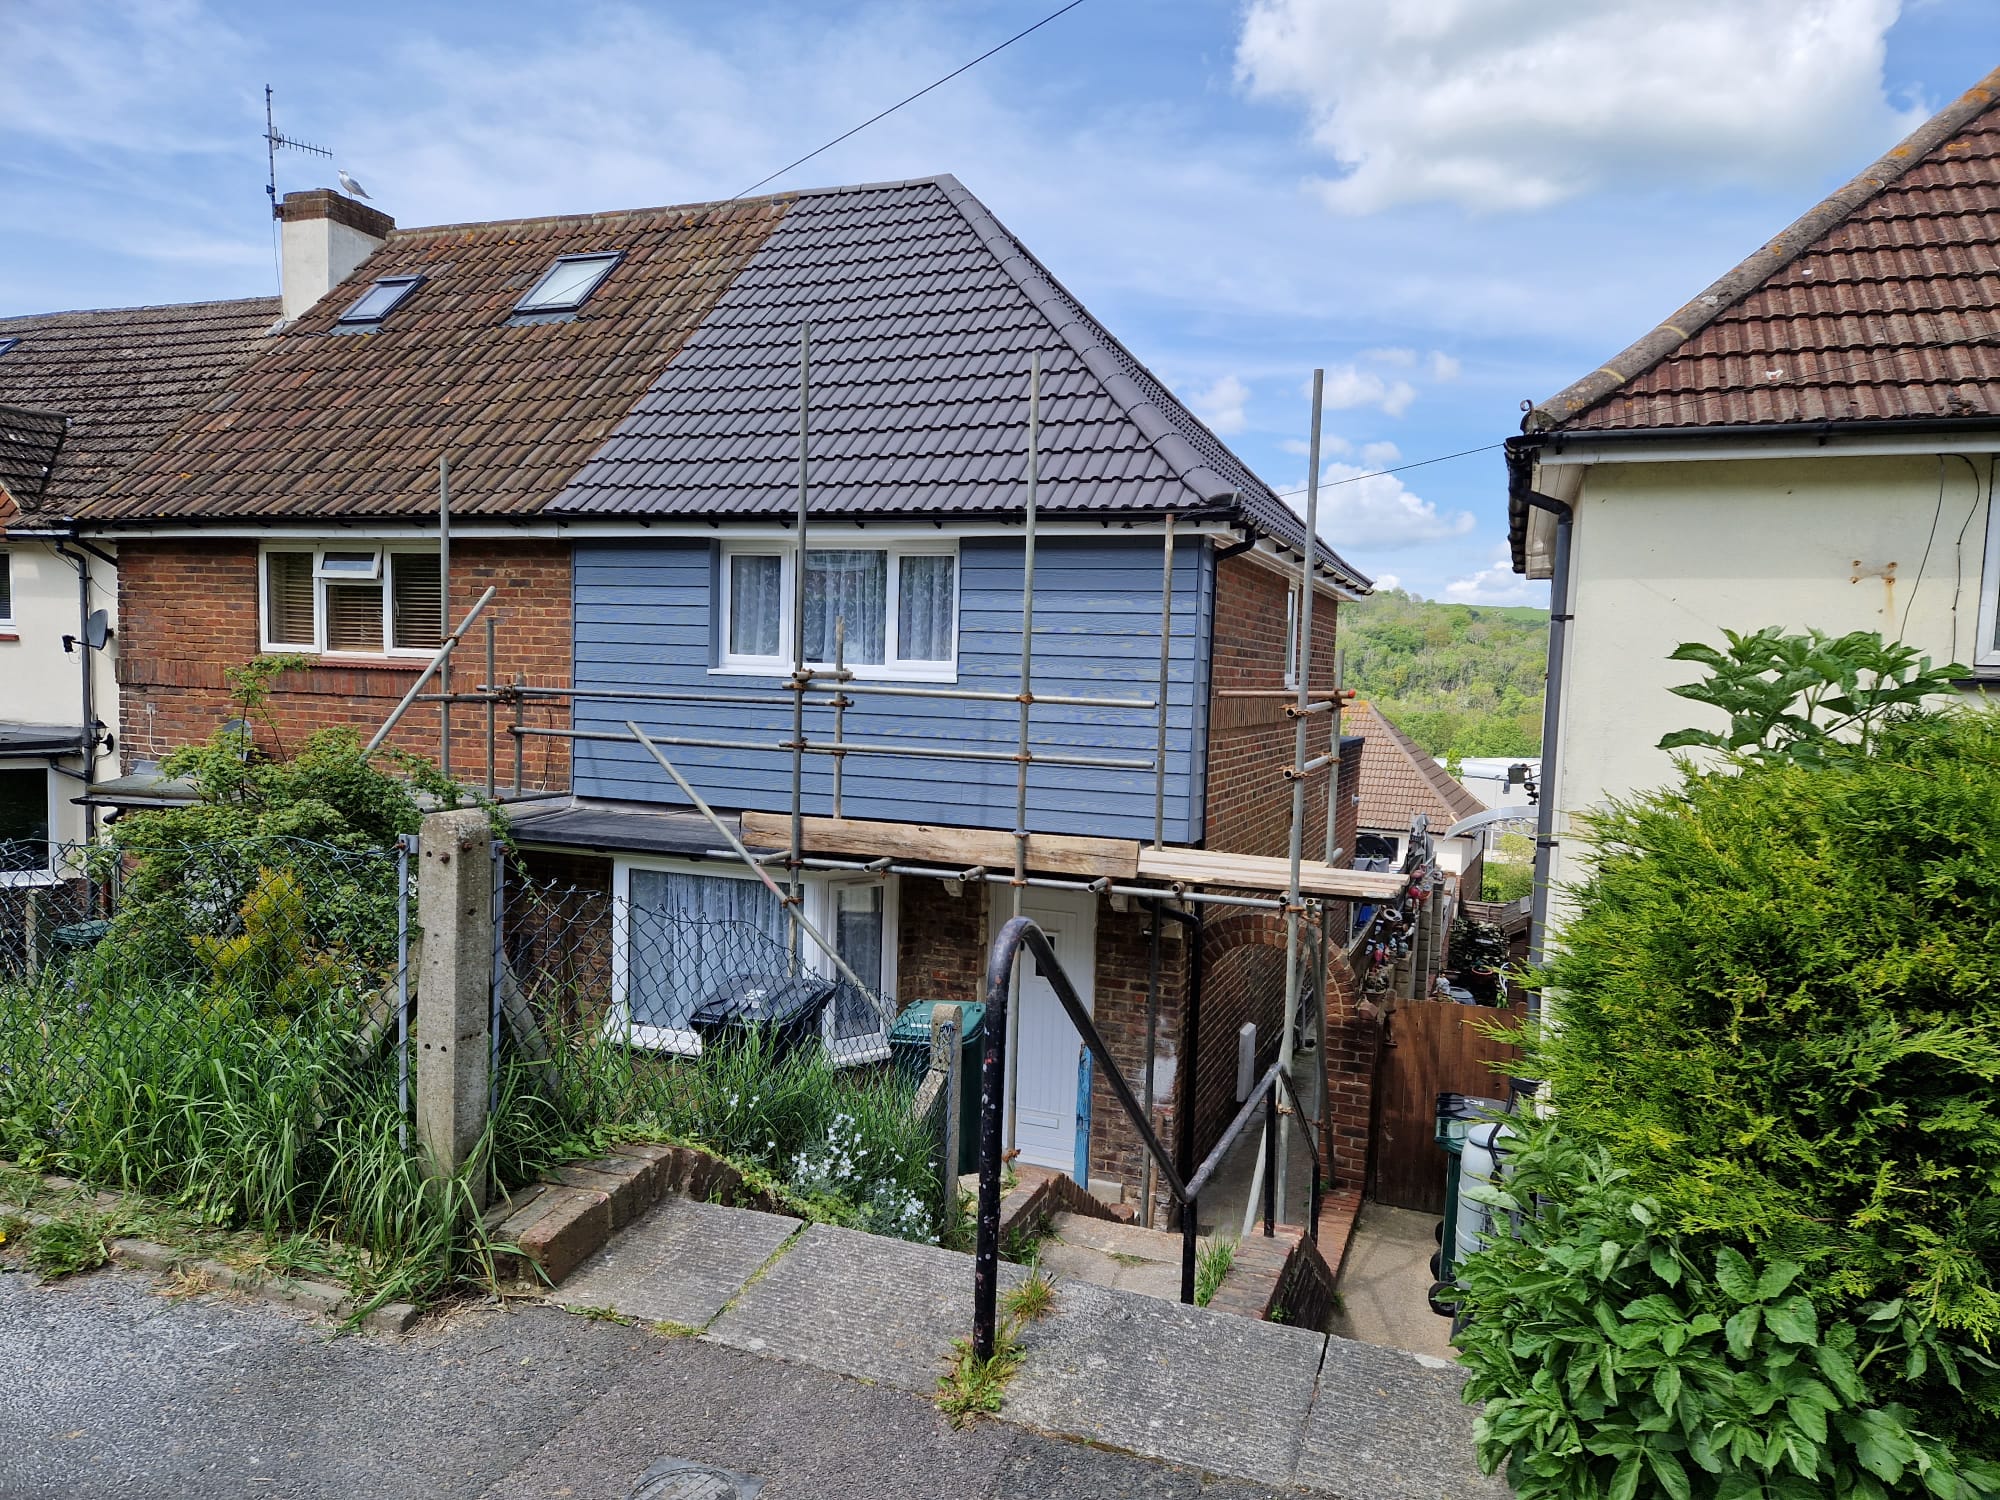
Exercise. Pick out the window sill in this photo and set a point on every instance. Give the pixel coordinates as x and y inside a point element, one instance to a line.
<point>28,879</point>
<point>371,663</point>
<point>782,671</point>
<point>8,635</point>
<point>1981,679</point>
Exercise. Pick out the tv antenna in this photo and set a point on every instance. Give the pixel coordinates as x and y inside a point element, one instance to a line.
<point>273,142</point>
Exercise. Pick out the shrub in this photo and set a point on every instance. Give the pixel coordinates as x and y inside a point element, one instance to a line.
<point>1779,1007</point>
<point>1618,1357</point>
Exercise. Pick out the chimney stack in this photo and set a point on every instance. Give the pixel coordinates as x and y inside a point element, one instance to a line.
<point>325,235</point>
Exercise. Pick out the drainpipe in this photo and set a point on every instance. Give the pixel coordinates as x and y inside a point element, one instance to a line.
<point>1545,807</point>
<point>89,697</point>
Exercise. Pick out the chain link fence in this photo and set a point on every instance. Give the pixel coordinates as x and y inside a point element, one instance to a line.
<point>683,1005</point>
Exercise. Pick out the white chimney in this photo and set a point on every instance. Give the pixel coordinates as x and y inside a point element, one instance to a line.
<point>324,237</point>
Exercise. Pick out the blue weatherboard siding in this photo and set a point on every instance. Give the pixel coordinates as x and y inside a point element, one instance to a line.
<point>645,621</point>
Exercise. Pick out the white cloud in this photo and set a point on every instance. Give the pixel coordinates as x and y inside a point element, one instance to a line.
<point>1221,405</point>
<point>1518,104</point>
<point>1347,386</point>
<point>1403,358</point>
<point>1380,455</point>
<point>1444,367</point>
<point>1361,511</point>
<point>1497,583</point>
<point>1386,581</point>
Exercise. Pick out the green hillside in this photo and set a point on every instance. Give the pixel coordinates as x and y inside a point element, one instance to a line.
<point>1459,679</point>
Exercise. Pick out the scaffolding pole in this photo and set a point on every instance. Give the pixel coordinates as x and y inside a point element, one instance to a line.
<point>1297,842</point>
<point>800,680</point>
<point>1020,881</point>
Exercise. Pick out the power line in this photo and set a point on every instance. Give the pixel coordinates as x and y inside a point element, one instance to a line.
<point>1073,4</point>
<point>1327,484</point>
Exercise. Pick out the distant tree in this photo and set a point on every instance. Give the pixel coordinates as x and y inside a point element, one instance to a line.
<point>1459,679</point>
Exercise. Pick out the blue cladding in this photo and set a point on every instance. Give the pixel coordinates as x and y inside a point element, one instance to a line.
<point>644,621</point>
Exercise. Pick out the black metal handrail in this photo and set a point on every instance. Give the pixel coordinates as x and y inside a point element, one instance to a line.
<point>1022,932</point>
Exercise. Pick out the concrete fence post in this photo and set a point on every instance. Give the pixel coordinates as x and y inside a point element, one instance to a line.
<point>454,988</point>
<point>938,1099</point>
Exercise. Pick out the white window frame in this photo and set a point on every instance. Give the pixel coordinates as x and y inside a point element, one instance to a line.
<point>7,572</point>
<point>1293,614</point>
<point>52,794</point>
<point>384,552</point>
<point>891,669</point>
<point>819,910</point>
<point>1985,652</point>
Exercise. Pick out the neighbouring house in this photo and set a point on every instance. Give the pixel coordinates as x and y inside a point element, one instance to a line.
<point>1400,781</point>
<point>1500,780</point>
<point>83,396</point>
<point>1809,442</point>
<point>621,400</point>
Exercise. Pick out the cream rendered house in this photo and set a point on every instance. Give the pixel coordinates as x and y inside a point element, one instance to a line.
<point>82,396</point>
<point>1810,442</point>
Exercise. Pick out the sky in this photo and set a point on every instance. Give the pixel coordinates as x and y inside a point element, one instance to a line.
<point>1450,206</point>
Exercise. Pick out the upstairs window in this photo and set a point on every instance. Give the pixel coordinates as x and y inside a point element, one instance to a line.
<point>1292,636</point>
<point>899,604</point>
<point>370,601</point>
<point>375,304</point>
<point>567,284</point>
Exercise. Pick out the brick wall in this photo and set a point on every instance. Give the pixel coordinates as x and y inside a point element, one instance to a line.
<point>1250,739</point>
<point>940,942</point>
<point>1123,963</point>
<point>188,612</point>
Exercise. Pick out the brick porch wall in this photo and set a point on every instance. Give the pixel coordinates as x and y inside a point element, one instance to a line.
<point>1124,960</point>
<point>1250,739</point>
<point>188,612</point>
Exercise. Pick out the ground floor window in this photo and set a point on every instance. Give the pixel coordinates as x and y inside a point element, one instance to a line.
<point>24,821</point>
<point>686,933</point>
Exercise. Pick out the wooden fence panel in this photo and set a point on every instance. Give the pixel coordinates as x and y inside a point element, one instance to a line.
<point>1432,1046</point>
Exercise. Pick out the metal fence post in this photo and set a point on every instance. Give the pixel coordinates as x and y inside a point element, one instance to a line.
<point>455,908</point>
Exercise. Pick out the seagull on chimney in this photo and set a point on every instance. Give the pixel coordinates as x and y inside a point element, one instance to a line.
<point>352,188</point>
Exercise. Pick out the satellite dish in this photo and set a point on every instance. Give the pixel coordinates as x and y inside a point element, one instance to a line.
<point>350,186</point>
<point>97,630</point>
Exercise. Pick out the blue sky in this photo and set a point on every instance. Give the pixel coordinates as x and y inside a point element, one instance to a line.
<point>1451,205</point>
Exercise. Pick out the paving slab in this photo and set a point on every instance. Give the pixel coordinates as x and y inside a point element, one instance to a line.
<point>1390,1426</point>
<point>1229,1394</point>
<point>680,1262</point>
<point>858,1304</point>
<point>1385,1283</point>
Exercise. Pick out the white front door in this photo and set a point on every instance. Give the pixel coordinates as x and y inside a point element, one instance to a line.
<point>1042,1065</point>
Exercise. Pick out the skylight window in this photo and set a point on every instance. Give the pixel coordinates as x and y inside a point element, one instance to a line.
<point>567,284</point>
<point>381,299</point>
<point>6,344</point>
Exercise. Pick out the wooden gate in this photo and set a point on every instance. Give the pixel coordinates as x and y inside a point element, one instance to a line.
<point>1432,1046</point>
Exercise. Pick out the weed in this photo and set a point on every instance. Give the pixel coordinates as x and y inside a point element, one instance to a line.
<point>1033,1299</point>
<point>1278,1314</point>
<point>1211,1264</point>
<point>187,1280</point>
<point>604,1315</point>
<point>972,1387</point>
<point>666,1328</point>
<point>961,1227</point>
<point>67,1246</point>
<point>1023,1242</point>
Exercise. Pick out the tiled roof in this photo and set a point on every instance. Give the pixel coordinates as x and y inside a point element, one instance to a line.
<point>1882,303</point>
<point>350,425</point>
<point>922,312</point>
<point>30,443</point>
<point>122,378</point>
<point>1399,779</point>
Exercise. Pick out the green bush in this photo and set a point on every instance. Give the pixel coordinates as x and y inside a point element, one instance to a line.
<point>1618,1357</point>
<point>1778,1007</point>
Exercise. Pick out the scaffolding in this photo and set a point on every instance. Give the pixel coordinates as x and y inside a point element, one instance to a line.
<point>1178,880</point>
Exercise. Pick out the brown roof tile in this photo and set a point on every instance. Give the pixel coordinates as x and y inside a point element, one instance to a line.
<point>1399,779</point>
<point>1881,303</point>
<point>122,378</point>
<point>350,425</point>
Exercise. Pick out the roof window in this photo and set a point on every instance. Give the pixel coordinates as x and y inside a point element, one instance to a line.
<point>6,344</point>
<point>375,304</point>
<point>567,284</point>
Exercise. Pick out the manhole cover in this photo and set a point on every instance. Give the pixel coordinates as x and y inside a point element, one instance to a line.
<point>684,1479</point>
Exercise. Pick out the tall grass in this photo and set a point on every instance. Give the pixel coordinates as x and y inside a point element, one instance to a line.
<point>287,1125</point>
<point>841,1141</point>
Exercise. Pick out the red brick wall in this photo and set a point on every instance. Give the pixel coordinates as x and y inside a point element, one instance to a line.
<point>1250,739</point>
<point>1123,962</point>
<point>188,611</point>
<point>940,941</point>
